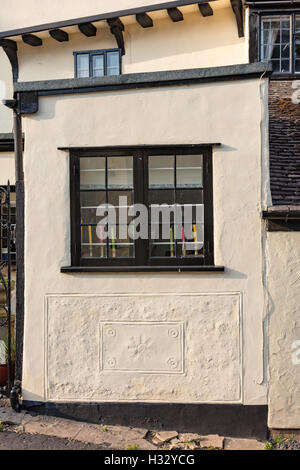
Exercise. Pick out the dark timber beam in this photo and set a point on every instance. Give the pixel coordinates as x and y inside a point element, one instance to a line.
<point>205,9</point>
<point>175,14</point>
<point>88,29</point>
<point>101,17</point>
<point>117,28</point>
<point>11,50</point>
<point>144,20</point>
<point>59,35</point>
<point>237,7</point>
<point>32,40</point>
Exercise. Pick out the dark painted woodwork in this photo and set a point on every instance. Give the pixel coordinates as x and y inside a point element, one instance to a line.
<point>32,40</point>
<point>88,29</point>
<point>277,225</point>
<point>11,50</point>
<point>142,259</point>
<point>205,9</point>
<point>140,269</point>
<point>247,421</point>
<point>144,20</point>
<point>253,37</point>
<point>128,148</point>
<point>6,145</point>
<point>117,28</point>
<point>175,14</point>
<point>28,102</point>
<point>20,278</point>
<point>237,7</point>
<point>91,54</point>
<point>101,17</point>
<point>59,35</point>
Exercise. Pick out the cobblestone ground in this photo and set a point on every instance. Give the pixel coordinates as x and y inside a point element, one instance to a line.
<point>30,431</point>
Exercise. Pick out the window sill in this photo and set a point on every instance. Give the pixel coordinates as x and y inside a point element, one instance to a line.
<point>139,269</point>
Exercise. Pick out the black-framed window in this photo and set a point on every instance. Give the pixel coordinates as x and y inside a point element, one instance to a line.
<point>280,41</point>
<point>177,177</point>
<point>98,63</point>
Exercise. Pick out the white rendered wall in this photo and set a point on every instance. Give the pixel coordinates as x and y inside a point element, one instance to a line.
<point>196,42</point>
<point>6,91</point>
<point>7,168</point>
<point>36,12</point>
<point>283,268</point>
<point>219,351</point>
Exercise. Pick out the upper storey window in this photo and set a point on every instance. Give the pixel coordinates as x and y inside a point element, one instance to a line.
<point>280,42</point>
<point>97,63</point>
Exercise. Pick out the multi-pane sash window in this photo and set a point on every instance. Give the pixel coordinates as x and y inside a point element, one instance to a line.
<point>97,63</point>
<point>280,42</point>
<point>142,206</point>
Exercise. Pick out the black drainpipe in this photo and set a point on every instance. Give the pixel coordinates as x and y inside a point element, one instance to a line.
<point>18,147</point>
<point>11,50</point>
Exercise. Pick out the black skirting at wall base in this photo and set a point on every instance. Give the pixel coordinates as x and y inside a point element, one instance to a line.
<point>225,420</point>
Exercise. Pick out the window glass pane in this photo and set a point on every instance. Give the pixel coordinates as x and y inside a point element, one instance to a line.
<point>276,42</point>
<point>285,51</point>
<point>122,201</point>
<point>98,65</point>
<point>92,173</point>
<point>120,172</point>
<point>177,228</point>
<point>161,171</point>
<point>161,196</point>
<point>297,43</point>
<point>276,65</point>
<point>89,202</point>
<point>91,245</point>
<point>163,249</point>
<point>113,63</point>
<point>189,170</point>
<point>297,65</point>
<point>192,240</point>
<point>120,246</point>
<point>83,65</point>
<point>285,66</point>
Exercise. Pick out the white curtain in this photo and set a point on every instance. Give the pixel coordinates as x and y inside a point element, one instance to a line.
<point>269,41</point>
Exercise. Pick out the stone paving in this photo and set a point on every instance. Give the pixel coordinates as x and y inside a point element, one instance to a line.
<point>31,431</point>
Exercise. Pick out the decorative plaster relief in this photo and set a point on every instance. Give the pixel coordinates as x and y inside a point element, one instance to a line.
<point>182,348</point>
<point>142,347</point>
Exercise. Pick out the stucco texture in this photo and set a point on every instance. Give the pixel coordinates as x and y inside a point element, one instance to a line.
<point>283,268</point>
<point>166,357</point>
<point>227,112</point>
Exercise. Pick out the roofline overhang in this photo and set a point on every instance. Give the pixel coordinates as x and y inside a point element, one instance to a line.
<point>100,17</point>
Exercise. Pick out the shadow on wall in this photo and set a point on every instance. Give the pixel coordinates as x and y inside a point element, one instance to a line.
<point>200,35</point>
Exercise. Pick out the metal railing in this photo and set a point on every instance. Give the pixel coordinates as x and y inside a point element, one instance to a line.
<point>7,235</point>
